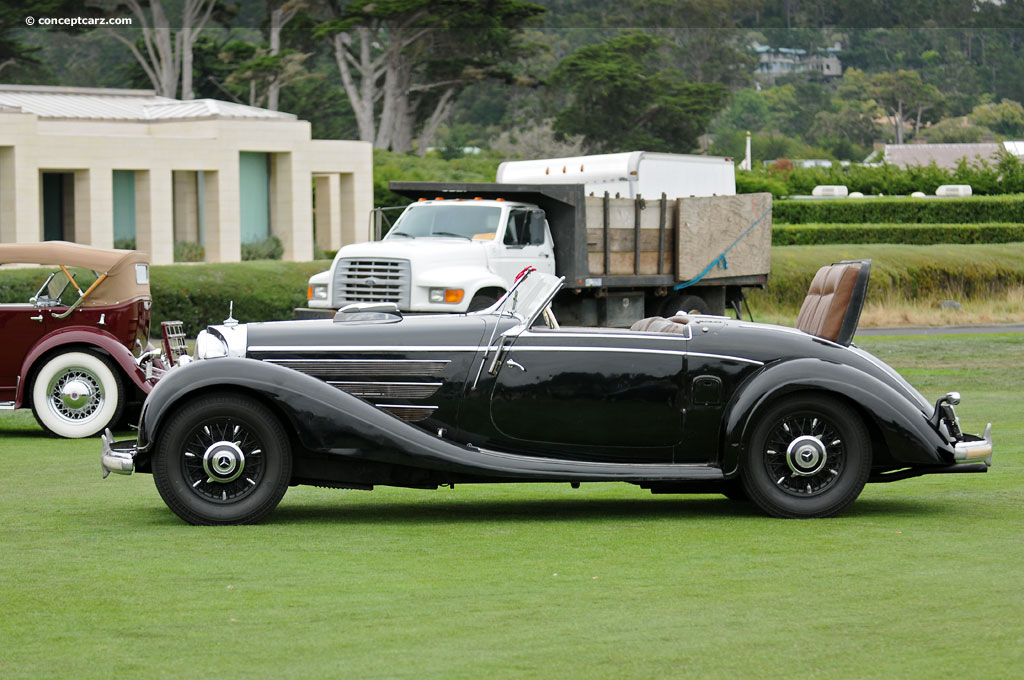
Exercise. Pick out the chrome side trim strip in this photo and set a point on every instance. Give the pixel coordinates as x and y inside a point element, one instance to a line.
<point>6,405</point>
<point>633,350</point>
<point>632,335</point>
<point>407,412</point>
<point>380,390</point>
<point>362,348</point>
<point>332,368</point>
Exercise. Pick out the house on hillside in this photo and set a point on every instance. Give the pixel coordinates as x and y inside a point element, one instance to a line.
<point>948,155</point>
<point>773,62</point>
<point>99,166</point>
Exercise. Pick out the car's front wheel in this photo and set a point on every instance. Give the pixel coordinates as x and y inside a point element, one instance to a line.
<point>809,456</point>
<point>77,394</point>
<point>222,459</point>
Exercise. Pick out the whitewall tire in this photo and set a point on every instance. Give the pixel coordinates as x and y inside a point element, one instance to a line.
<point>77,394</point>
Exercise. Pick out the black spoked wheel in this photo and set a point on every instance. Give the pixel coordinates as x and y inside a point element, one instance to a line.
<point>222,459</point>
<point>808,457</point>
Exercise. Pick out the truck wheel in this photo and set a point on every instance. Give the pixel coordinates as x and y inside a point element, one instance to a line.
<point>481,301</point>
<point>77,394</point>
<point>691,304</point>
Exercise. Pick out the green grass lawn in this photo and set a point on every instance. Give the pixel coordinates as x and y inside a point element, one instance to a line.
<point>920,578</point>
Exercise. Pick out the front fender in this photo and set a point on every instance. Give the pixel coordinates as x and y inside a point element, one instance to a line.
<point>86,337</point>
<point>470,278</point>
<point>909,436</point>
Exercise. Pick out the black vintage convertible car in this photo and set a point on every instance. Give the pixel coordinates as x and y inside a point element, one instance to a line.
<point>797,420</point>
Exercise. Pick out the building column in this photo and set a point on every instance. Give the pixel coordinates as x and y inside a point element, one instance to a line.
<point>356,203</point>
<point>154,228</point>
<point>186,206</point>
<point>328,211</point>
<point>291,210</point>
<point>222,215</point>
<point>94,207</point>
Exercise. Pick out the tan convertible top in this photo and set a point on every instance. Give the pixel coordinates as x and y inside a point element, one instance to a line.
<point>120,283</point>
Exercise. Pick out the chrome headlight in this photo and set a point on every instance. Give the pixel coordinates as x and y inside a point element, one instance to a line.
<point>210,346</point>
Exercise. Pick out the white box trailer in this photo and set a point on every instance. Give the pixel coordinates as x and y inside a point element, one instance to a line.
<point>629,175</point>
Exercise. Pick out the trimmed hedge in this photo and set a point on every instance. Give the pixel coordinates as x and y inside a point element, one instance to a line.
<point>902,210</point>
<point>199,294</point>
<point>909,234</point>
<point>1003,175</point>
<point>899,271</point>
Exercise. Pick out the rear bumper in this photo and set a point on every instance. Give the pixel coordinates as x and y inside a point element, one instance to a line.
<point>117,457</point>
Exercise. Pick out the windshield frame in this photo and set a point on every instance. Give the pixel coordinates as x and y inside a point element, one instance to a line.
<point>452,231</point>
<point>529,296</point>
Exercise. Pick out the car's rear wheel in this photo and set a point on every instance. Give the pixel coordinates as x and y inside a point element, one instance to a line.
<point>222,459</point>
<point>77,394</point>
<point>809,456</point>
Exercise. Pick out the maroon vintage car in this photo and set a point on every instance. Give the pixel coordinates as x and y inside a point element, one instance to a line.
<point>79,350</point>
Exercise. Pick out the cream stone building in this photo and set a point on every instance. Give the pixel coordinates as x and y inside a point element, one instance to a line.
<point>97,166</point>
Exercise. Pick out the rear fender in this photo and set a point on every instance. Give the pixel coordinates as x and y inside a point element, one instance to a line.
<point>911,440</point>
<point>84,340</point>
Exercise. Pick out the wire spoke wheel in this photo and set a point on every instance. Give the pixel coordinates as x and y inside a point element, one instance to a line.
<point>222,459</point>
<point>808,456</point>
<point>77,394</point>
<point>804,455</point>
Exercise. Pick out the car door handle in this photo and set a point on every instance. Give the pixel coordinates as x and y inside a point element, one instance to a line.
<point>37,318</point>
<point>512,363</point>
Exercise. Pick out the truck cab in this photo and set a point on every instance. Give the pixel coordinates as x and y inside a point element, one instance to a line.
<point>441,255</point>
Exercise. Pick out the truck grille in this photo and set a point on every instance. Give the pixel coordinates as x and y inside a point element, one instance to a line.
<point>372,280</point>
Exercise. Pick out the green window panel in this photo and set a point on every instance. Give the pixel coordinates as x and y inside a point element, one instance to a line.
<point>254,195</point>
<point>124,205</point>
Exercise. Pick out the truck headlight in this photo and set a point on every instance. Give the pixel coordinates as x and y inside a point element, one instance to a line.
<point>317,292</point>
<point>452,296</point>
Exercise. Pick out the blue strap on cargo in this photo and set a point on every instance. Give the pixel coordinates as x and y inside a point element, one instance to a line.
<point>720,260</point>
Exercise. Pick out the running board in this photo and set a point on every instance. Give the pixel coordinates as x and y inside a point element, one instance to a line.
<point>6,405</point>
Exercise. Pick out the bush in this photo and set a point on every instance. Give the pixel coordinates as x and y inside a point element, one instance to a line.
<point>199,295</point>
<point>910,234</point>
<point>268,249</point>
<point>903,210</point>
<point>899,271</point>
<point>125,243</point>
<point>186,251</point>
<point>1002,176</point>
<point>388,166</point>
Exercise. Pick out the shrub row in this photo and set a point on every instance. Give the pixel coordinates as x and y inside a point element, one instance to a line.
<point>199,294</point>
<point>900,271</point>
<point>909,234</point>
<point>1004,175</point>
<point>903,210</point>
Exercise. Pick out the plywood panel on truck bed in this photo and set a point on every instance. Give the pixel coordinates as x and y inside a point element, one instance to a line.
<point>707,227</point>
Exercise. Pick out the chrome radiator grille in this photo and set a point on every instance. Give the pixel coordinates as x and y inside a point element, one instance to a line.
<point>372,280</point>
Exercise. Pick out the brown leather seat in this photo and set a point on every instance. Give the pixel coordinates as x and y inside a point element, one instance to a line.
<point>833,304</point>
<point>659,324</point>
